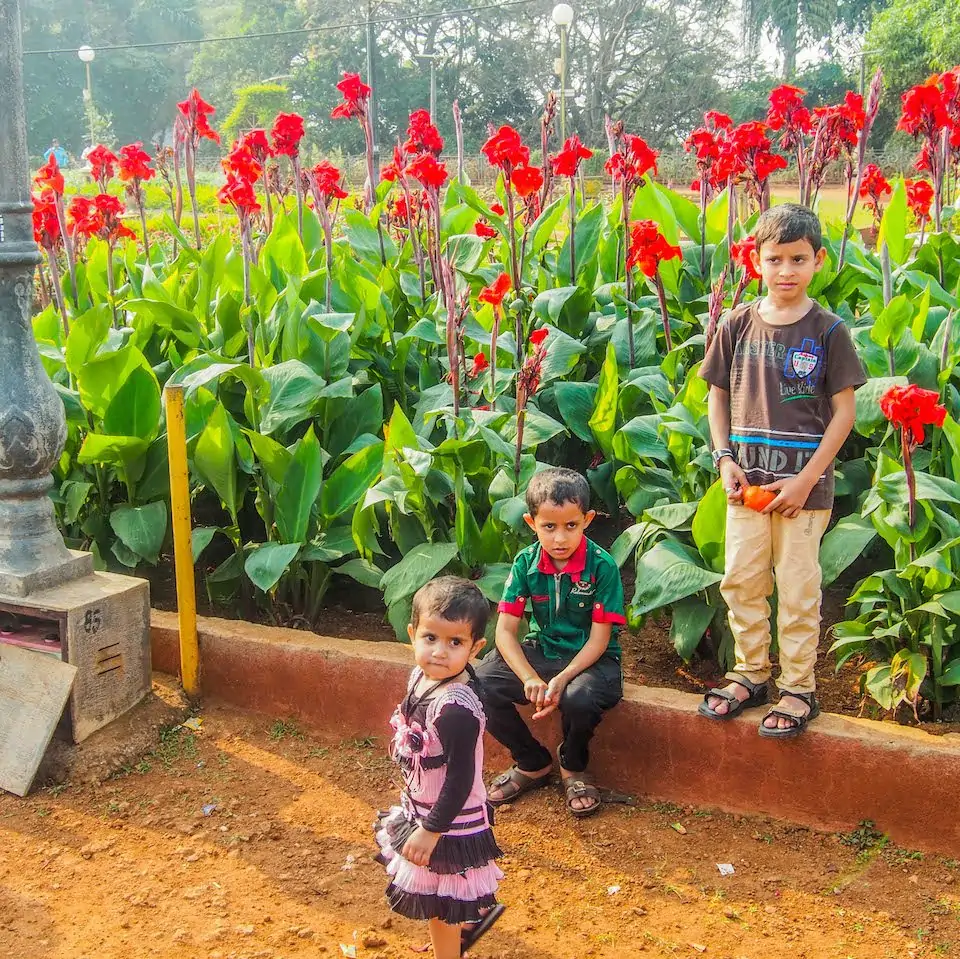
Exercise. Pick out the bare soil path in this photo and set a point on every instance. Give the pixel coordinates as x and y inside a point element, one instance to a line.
<point>250,840</point>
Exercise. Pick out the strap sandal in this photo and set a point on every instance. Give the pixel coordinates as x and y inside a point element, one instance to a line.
<point>513,784</point>
<point>475,931</point>
<point>798,722</point>
<point>759,696</point>
<point>576,787</point>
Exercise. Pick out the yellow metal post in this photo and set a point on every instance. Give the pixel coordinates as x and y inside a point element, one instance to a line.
<point>182,540</point>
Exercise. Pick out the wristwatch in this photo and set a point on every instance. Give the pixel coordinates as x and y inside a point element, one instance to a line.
<point>720,454</point>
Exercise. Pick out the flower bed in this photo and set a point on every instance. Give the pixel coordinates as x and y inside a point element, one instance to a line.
<point>372,380</point>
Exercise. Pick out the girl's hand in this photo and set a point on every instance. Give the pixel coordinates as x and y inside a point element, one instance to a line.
<point>419,847</point>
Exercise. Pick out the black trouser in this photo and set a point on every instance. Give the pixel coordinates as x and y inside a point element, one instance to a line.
<point>582,706</point>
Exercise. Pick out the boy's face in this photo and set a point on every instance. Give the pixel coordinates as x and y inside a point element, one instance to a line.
<point>442,647</point>
<point>560,528</point>
<point>788,268</point>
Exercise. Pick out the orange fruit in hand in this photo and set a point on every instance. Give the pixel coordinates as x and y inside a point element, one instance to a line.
<point>757,498</point>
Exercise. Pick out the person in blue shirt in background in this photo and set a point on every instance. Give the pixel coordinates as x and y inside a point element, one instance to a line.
<point>63,158</point>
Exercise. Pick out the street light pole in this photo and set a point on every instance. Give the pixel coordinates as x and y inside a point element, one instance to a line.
<point>33,427</point>
<point>86,55</point>
<point>371,82</point>
<point>563,16</point>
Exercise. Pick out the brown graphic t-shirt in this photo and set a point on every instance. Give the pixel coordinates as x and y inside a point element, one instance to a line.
<point>781,380</point>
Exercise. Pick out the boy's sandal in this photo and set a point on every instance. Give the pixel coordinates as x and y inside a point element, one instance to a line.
<point>475,931</point>
<point>576,787</point>
<point>513,784</point>
<point>799,723</point>
<point>758,697</point>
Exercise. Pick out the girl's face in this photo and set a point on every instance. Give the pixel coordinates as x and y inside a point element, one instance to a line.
<point>442,648</point>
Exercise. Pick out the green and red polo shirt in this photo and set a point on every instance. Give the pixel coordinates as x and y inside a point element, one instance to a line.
<point>566,603</point>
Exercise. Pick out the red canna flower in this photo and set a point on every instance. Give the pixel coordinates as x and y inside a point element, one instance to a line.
<point>242,164</point>
<point>567,161</point>
<point>422,135</point>
<point>195,111</point>
<point>480,363</point>
<point>633,162</point>
<point>924,109</point>
<point>787,113</point>
<point>240,194</point>
<point>919,197</point>
<point>49,177</point>
<point>505,149</point>
<point>873,188</point>
<point>258,143</point>
<point>703,143</point>
<point>528,379</point>
<point>356,95</point>
<point>766,163</point>
<point>717,120</point>
<point>84,217</point>
<point>428,170</point>
<point>102,162</point>
<point>496,291</point>
<point>740,254</point>
<point>99,217</point>
<point>526,180</point>
<point>911,408</point>
<point>286,134</point>
<point>135,163</point>
<point>484,230</point>
<point>327,179</point>
<point>46,223</point>
<point>649,247</point>
<point>497,208</point>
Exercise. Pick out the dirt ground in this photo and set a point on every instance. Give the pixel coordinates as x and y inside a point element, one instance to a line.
<point>251,840</point>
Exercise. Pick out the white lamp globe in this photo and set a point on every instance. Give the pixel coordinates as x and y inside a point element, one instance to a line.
<point>86,54</point>
<point>562,15</point>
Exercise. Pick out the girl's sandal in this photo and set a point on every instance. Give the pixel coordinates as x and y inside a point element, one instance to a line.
<point>799,721</point>
<point>758,697</point>
<point>477,930</point>
<point>576,787</point>
<point>513,784</point>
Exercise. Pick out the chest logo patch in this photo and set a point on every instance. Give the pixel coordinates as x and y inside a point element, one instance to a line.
<point>802,361</point>
<point>582,588</point>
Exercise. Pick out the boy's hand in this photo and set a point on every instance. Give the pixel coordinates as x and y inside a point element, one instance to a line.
<point>419,847</point>
<point>555,689</point>
<point>792,496</point>
<point>535,689</point>
<point>733,478</point>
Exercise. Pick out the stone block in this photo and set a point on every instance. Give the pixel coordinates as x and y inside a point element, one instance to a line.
<point>104,623</point>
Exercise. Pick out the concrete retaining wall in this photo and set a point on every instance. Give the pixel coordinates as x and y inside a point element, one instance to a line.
<point>841,771</point>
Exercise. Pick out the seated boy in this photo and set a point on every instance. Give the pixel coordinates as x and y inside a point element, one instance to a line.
<point>571,659</point>
<point>782,371</point>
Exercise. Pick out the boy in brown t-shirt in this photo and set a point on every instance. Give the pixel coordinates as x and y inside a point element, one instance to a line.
<point>782,372</point>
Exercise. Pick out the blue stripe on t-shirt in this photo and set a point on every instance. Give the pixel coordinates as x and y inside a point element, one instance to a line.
<point>766,441</point>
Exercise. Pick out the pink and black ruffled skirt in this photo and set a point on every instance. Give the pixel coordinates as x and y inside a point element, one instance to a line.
<point>460,883</point>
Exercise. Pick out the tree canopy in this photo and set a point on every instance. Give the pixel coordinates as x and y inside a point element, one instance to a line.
<point>656,64</point>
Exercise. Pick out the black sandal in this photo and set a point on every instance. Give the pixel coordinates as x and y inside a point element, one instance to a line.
<point>576,787</point>
<point>759,696</point>
<point>519,782</point>
<point>470,937</point>
<point>799,722</point>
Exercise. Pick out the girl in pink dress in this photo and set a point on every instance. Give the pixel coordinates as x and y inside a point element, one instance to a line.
<point>438,844</point>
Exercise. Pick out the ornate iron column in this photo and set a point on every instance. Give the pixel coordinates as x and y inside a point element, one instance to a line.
<point>32,421</point>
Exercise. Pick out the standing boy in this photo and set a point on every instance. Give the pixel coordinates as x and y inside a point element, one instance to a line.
<point>571,658</point>
<point>782,372</point>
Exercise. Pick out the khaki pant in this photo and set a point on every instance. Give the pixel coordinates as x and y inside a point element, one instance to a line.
<point>758,548</point>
